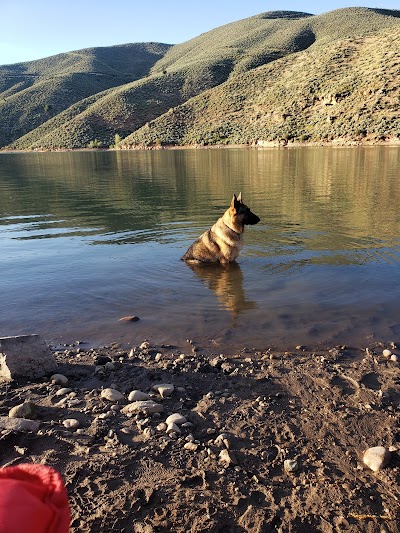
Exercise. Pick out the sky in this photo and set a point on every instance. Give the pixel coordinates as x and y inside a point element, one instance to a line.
<point>33,29</point>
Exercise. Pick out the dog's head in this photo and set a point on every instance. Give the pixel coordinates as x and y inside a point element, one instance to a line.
<point>240,213</point>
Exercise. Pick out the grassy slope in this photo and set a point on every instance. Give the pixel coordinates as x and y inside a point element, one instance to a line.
<point>343,86</point>
<point>188,70</point>
<point>32,93</point>
<point>278,75</point>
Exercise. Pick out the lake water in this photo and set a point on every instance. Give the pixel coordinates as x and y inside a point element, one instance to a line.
<point>89,237</point>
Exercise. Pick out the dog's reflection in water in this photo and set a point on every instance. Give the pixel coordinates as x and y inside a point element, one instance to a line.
<point>226,281</point>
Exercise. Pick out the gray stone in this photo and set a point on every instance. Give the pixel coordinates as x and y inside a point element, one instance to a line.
<point>71,423</point>
<point>376,457</point>
<point>24,410</point>
<point>137,396</point>
<point>164,389</point>
<point>112,395</point>
<point>25,356</point>
<point>176,418</point>
<point>63,391</point>
<point>18,424</point>
<point>59,379</point>
<point>146,406</point>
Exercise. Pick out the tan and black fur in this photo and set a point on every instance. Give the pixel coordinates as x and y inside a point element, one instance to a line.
<point>223,242</point>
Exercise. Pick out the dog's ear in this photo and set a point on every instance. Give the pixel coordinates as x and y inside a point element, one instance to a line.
<point>234,203</point>
<point>239,198</point>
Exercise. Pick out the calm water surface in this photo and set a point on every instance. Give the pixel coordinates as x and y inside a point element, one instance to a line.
<point>89,237</point>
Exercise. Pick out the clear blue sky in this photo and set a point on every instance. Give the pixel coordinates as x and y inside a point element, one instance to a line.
<point>32,29</point>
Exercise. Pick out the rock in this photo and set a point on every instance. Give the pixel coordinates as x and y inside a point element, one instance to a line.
<point>130,318</point>
<point>137,396</point>
<point>227,457</point>
<point>145,345</point>
<point>71,423</point>
<point>394,358</point>
<point>386,353</point>
<point>173,428</point>
<point>148,432</point>
<point>176,418</point>
<point>102,360</point>
<point>25,356</point>
<point>24,410</point>
<point>192,446</point>
<point>19,424</point>
<point>164,389</point>
<point>376,457</point>
<point>112,395</point>
<point>222,441</point>
<point>59,379</point>
<point>290,465</point>
<point>63,391</point>
<point>109,366</point>
<point>146,406</point>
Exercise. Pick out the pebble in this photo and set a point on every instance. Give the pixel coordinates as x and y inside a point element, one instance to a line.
<point>290,465</point>
<point>112,395</point>
<point>227,457</point>
<point>222,440</point>
<point>24,410</point>
<point>59,379</point>
<point>394,358</point>
<point>148,432</point>
<point>386,353</point>
<point>164,389</point>
<point>108,414</point>
<point>176,418</point>
<point>71,423</point>
<point>137,396</point>
<point>192,446</point>
<point>145,406</point>
<point>376,457</point>
<point>62,391</point>
<point>173,428</point>
<point>145,345</point>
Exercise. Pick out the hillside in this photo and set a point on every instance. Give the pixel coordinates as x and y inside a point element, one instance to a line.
<point>33,92</point>
<point>276,77</point>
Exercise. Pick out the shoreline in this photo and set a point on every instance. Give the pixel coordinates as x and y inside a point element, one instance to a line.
<point>336,143</point>
<point>266,440</point>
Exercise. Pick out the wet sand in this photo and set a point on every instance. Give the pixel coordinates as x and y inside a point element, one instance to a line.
<point>272,440</point>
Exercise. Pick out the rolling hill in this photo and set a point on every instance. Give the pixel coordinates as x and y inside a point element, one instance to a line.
<point>277,77</point>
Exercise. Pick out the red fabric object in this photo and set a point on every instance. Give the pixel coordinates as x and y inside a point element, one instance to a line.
<point>33,498</point>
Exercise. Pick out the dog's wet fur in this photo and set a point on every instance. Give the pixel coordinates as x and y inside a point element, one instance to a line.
<point>223,242</point>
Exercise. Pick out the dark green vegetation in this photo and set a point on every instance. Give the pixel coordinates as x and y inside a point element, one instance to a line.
<point>276,77</point>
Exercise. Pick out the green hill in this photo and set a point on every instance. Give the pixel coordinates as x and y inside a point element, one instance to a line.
<point>276,77</point>
<point>31,93</point>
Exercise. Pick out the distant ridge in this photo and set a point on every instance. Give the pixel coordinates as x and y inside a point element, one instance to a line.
<point>274,78</point>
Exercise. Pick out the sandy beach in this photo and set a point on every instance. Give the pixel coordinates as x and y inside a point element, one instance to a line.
<point>259,441</point>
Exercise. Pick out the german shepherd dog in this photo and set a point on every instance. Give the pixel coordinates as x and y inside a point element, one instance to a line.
<point>224,241</point>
